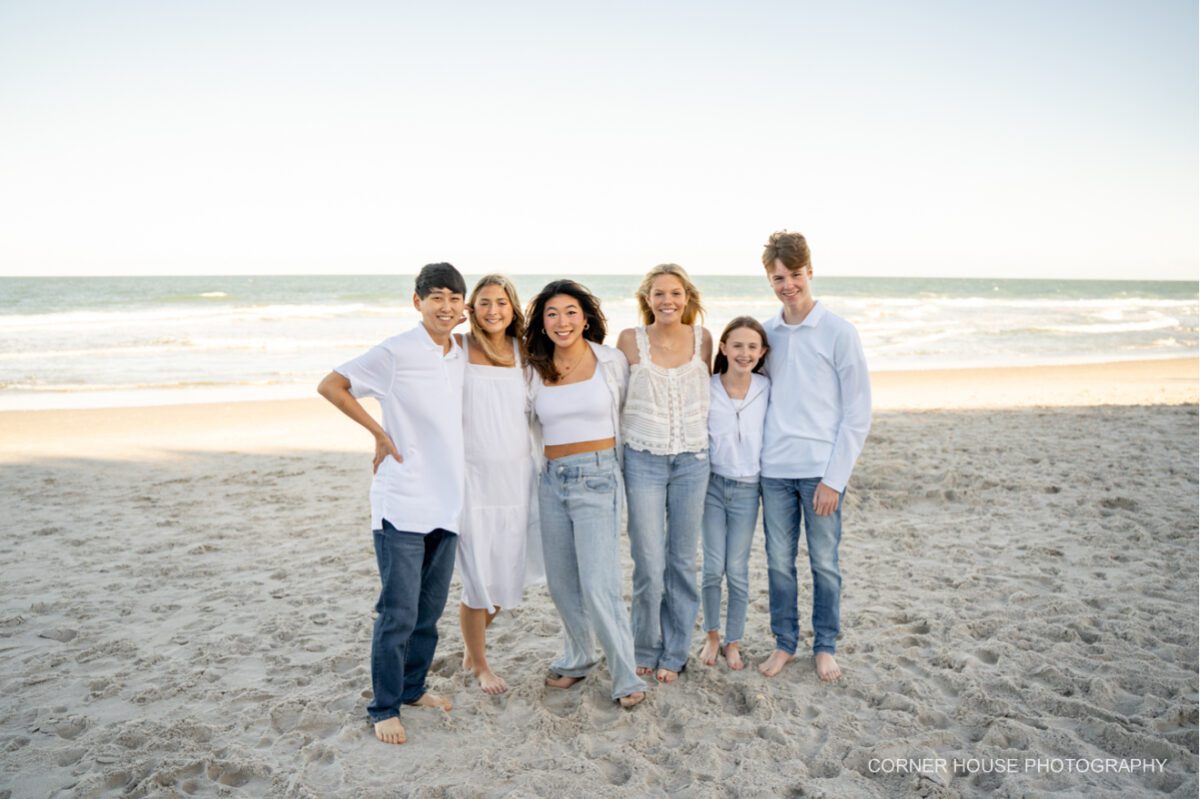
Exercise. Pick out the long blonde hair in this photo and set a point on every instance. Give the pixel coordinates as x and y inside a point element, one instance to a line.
<point>692,311</point>
<point>515,329</point>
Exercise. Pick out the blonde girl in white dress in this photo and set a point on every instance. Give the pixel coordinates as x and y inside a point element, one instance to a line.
<point>493,535</point>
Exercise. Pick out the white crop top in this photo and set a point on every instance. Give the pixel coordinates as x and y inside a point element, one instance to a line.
<point>666,410</point>
<point>575,412</point>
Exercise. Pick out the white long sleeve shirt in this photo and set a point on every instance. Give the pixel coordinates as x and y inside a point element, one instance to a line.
<point>820,408</point>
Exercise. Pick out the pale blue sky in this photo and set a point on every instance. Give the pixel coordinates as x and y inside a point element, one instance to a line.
<point>1022,139</point>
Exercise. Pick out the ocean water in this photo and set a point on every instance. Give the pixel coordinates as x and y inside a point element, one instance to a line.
<point>94,342</point>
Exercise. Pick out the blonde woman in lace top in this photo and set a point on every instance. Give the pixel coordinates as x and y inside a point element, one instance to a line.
<point>665,427</point>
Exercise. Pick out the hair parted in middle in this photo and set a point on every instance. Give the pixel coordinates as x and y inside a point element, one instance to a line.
<point>721,363</point>
<point>515,329</point>
<point>693,311</point>
<point>539,349</point>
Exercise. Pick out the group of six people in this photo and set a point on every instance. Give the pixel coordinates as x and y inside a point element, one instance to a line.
<point>535,405</point>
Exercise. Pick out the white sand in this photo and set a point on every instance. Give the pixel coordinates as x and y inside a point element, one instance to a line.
<point>187,607</point>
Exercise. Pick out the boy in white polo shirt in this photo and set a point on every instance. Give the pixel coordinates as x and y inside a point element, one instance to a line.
<point>417,491</point>
<point>817,421</point>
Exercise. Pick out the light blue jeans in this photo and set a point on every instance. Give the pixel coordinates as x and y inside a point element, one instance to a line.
<point>666,502</point>
<point>785,503</point>
<point>580,506</point>
<point>730,515</point>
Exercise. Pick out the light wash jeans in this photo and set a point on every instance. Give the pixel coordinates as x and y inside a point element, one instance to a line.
<point>784,503</point>
<point>730,515</point>
<point>580,508</point>
<point>666,502</point>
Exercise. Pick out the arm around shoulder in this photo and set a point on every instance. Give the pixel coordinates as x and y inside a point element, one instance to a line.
<point>627,345</point>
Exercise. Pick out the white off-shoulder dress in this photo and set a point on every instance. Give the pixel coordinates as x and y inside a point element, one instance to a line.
<point>493,533</point>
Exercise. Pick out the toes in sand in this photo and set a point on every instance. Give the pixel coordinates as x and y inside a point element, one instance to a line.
<point>708,654</point>
<point>827,667</point>
<point>561,680</point>
<point>775,663</point>
<point>390,731</point>
<point>632,699</point>
<point>491,683</point>
<point>434,700</point>
<point>733,656</point>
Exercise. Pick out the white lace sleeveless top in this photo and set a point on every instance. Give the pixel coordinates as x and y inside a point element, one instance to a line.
<point>666,410</point>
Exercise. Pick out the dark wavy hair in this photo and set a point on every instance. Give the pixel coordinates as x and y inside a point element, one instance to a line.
<point>721,363</point>
<point>539,349</point>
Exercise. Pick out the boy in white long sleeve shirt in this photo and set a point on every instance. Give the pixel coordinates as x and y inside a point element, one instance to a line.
<point>817,421</point>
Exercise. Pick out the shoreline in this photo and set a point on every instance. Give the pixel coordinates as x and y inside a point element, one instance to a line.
<point>308,424</point>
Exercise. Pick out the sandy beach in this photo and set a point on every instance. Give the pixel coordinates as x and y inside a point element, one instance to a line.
<point>188,591</point>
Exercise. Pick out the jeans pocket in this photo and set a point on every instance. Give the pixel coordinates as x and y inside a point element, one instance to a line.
<point>601,483</point>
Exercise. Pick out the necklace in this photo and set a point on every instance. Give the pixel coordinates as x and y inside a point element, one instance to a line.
<point>563,371</point>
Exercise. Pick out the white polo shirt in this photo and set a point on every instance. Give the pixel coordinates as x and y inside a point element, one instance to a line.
<point>420,390</point>
<point>820,408</point>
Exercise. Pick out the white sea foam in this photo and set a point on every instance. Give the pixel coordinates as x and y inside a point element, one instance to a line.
<point>241,342</point>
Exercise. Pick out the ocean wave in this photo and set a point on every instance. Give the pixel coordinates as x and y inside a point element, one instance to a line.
<point>1098,328</point>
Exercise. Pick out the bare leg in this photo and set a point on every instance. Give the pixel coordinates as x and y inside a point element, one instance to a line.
<point>775,663</point>
<point>390,731</point>
<point>474,623</point>
<point>712,647</point>
<point>827,667</point>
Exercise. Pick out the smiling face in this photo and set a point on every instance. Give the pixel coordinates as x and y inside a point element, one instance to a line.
<point>743,348</point>
<point>793,288</point>
<point>667,299</point>
<point>440,310</point>
<point>563,319</point>
<point>492,310</point>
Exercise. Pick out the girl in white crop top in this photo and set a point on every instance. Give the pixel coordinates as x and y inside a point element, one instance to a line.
<point>576,388</point>
<point>666,465</point>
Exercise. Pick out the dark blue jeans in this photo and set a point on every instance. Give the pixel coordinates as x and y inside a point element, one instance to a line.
<point>785,504</point>
<point>415,572</point>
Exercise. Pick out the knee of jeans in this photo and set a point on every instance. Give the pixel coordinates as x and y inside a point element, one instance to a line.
<point>394,620</point>
<point>826,570</point>
<point>739,581</point>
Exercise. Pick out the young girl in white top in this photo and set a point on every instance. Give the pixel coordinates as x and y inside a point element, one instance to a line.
<point>499,473</point>
<point>735,437</point>
<point>666,465</point>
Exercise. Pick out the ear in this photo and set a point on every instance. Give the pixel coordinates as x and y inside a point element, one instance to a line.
<point>416,300</point>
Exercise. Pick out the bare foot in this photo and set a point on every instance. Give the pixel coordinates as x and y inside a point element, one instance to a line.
<point>561,680</point>
<point>775,663</point>
<point>390,731</point>
<point>468,664</point>
<point>827,668</point>
<point>634,698</point>
<point>712,646</point>
<point>666,676</point>
<point>434,700</point>
<point>490,683</point>
<point>644,671</point>
<point>733,656</point>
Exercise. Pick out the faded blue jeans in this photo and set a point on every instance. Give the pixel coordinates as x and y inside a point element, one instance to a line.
<point>666,503</point>
<point>415,572</point>
<point>580,507</point>
<point>730,515</point>
<point>785,503</point>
